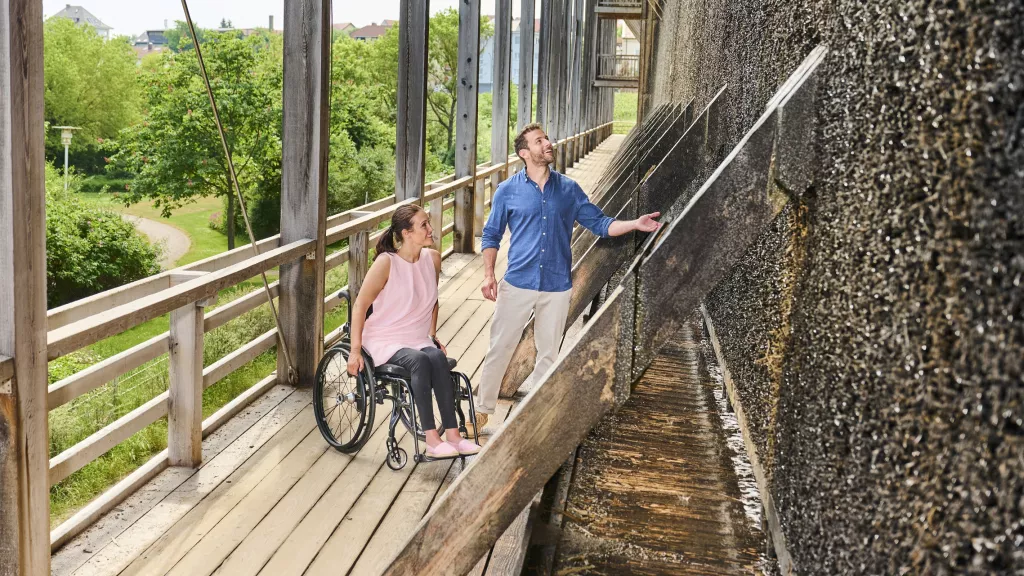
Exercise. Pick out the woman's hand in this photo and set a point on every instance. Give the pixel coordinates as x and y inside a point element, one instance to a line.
<point>439,345</point>
<point>355,364</point>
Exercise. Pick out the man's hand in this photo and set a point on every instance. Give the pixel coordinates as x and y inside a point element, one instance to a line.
<point>490,289</point>
<point>647,222</point>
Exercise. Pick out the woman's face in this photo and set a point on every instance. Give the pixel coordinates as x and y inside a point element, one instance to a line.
<point>421,234</point>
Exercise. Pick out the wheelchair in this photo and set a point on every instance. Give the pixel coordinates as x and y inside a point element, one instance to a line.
<point>345,405</point>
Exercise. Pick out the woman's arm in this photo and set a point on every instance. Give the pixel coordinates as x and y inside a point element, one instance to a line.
<point>376,278</point>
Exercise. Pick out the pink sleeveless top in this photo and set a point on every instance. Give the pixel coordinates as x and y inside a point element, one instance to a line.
<point>402,310</point>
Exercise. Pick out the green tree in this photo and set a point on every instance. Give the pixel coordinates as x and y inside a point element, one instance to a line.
<point>176,153</point>
<point>443,68</point>
<point>89,250</point>
<point>89,83</point>
<point>179,38</point>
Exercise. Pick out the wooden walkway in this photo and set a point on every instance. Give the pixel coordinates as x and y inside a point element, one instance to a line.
<point>664,485</point>
<point>271,497</point>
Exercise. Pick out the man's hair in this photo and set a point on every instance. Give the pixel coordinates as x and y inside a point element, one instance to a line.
<point>520,142</point>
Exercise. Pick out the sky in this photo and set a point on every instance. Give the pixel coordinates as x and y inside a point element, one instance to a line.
<point>132,17</point>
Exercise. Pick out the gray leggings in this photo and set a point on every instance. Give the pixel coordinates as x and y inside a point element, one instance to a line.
<point>429,369</point>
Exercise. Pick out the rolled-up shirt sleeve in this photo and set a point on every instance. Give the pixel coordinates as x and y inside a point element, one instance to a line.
<point>494,229</point>
<point>589,215</point>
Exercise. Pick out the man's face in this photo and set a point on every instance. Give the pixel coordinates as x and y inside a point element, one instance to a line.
<point>539,149</point>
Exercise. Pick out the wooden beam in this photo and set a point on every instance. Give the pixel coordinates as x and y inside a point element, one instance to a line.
<point>526,36</point>
<point>305,148</point>
<point>702,244</point>
<point>185,399</point>
<point>465,122</point>
<point>358,260</point>
<point>575,94</point>
<point>543,62</point>
<point>504,478</point>
<point>500,83</point>
<point>24,492</point>
<point>411,137</point>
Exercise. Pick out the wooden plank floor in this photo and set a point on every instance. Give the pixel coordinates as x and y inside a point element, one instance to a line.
<point>271,498</point>
<point>664,486</point>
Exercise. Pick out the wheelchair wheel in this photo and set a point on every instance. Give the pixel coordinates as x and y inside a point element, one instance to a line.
<point>343,404</point>
<point>397,456</point>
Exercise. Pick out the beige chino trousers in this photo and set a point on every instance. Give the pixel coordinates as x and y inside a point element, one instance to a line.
<point>511,314</point>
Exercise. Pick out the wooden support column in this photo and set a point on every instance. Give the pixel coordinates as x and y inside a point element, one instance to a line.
<point>543,62</point>
<point>24,439</point>
<point>185,391</point>
<point>436,220</point>
<point>410,147</point>
<point>305,146</point>
<point>479,197</point>
<point>587,72</point>
<point>358,260</point>
<point>465,122</point>
<point>500,93</point>
<point>525,111</point>
<point>557,69</point>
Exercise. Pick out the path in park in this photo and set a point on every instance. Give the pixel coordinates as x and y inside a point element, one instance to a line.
<point>175,242</point>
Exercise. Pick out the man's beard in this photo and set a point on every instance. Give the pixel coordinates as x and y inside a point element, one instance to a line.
<point>542,158</point>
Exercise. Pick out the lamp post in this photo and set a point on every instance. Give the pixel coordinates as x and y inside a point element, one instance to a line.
<point>65,139</point>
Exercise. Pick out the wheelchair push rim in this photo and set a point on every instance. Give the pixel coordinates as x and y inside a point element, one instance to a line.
<point>343,404</point>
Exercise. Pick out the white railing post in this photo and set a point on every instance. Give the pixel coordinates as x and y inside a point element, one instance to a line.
<point>185,392</point>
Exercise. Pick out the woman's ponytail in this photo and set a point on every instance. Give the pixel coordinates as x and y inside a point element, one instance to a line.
<point>401,220</point>
<point>386,242</point>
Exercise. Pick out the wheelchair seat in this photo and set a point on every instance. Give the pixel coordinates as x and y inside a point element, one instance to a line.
<point>397,371</point>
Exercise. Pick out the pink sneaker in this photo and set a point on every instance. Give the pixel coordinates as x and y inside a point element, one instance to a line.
<point>442,450</point>
<point>464,447</point>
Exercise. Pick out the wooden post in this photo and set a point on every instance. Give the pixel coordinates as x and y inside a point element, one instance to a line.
<point>24,438</point>
<point>465,122</point>
<point>543,62</point>
<point>587,72</point>
<point>479,192</point>
<point>555,69</point>
<point>358,259</point>
<point>305,146</point>
<point>410,147</point>
<point>436,220</point>
<point>500,93</point>
<point>526,18</point>
<point>185,392</point>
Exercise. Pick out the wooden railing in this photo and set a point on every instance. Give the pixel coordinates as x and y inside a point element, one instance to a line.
<point>618,67</point>
<point>185,292</point>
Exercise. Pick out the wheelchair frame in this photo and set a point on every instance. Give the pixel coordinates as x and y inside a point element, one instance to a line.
<point>377,385</point>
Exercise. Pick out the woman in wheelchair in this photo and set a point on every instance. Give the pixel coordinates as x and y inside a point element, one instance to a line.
<point>402,287</point>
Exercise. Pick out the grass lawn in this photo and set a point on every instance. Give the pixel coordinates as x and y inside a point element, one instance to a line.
<point>625,111</point>
<point>192,219</point>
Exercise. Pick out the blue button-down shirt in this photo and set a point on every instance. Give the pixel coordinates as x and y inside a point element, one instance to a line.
<point>539,257</point>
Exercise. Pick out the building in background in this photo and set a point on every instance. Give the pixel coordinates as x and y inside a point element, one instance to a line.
<point>80,15</point>
<point>487,57</point>
<point>626,42</point>
<point>373,31</point>
<point>149,42</point>
<point>344,28</point>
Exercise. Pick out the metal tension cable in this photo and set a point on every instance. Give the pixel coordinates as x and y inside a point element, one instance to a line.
<point>292,376</point>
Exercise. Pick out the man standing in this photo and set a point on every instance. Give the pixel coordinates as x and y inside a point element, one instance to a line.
<point>540,207</point>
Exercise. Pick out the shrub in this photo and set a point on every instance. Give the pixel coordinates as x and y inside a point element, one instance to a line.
<point>89,250</point>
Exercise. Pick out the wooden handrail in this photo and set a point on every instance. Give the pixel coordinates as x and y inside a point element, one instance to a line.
<point>94,328</point>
